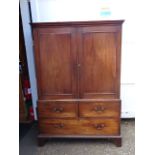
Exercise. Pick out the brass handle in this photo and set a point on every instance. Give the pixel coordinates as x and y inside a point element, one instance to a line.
<point>59,109</point>
<point>99,108</point>
<point>60,126</point>
<point>99,126</point>
<point>79,65</point>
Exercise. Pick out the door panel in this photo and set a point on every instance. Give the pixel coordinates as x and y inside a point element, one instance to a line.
<point>98,72</point>
<point>57,53</point>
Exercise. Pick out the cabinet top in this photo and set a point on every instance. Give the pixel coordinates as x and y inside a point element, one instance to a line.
<point>78,23</point>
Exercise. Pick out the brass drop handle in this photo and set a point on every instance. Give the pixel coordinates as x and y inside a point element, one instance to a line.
<point>79,65</point>
<point>99,108</point>
<point>60,125</point>
<point>58,109</point>
<point>99,126</point>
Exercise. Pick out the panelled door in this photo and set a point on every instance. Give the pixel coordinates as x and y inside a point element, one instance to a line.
<point>99,66</point>
<point>55,51</point>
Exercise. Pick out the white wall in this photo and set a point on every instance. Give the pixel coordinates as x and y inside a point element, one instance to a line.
<point>69,10</point>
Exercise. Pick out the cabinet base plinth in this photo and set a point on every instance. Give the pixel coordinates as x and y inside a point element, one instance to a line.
<point>117,140</point>
<point>41,141</point>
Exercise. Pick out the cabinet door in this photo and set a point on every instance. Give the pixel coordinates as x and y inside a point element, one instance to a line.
<point>55,52</point>
<point>99,58</point>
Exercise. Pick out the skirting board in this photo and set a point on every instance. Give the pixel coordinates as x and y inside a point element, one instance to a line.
<point>127,114</point>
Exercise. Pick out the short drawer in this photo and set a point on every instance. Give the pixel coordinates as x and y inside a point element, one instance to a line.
<point>57,109</point>
<point>99,109</point>
<point>79,127</point>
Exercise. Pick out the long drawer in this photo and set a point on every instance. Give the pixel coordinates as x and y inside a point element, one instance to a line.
<point>57,109</point>
<point>99,109</point>
<point>79,127</point>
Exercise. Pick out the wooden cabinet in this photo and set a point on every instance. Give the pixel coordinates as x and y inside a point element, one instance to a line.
<point>78,78</point>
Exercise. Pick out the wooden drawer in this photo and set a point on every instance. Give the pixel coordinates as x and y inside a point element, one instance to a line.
<point>99,109</point>
<point>79,127</point>
<point>57,109</point>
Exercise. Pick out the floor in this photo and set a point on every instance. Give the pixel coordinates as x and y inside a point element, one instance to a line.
<point>28,144</point>
<point>23,129</point>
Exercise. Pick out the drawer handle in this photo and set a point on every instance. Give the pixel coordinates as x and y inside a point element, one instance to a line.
<point>60,126</point>
<point>99,109</point>
<point>99,126</point>
<point>58,109</point>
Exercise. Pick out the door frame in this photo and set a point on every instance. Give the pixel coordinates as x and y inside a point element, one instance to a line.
<point>25,15</point>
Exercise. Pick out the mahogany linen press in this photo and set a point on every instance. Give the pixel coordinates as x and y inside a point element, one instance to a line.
<point>78,79</point>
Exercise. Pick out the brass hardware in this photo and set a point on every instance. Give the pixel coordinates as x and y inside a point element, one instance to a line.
<point>60,125</point>
<point>79,65</point>
<point>99,126</point>
<point>99,108</point>
<point>61,109</point>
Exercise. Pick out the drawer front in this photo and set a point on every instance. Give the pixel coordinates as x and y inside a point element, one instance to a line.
<point>79,127</point>
<point>57,109</point>
<point>99,109</point>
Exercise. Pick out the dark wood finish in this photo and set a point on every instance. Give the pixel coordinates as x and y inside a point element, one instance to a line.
<point>98,60</point>
<point>57,109</point>
<point>78,23</point>
<point>55,62</point>
<point>80,136</point>
<point>42,138</point>
<point>118,141</point>
<point>79,126</point>
<point>78,77</point>
<point>99,109</point>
